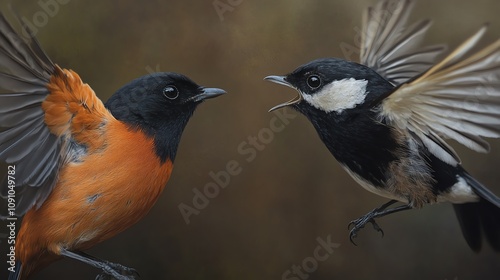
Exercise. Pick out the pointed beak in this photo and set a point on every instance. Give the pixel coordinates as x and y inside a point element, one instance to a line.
<point>282,81</point>
<point>207,93</point>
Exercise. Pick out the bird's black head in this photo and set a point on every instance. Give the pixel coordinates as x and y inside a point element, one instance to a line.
<point>337,97</point>
<point>331,85</point>
<point>160,105</point>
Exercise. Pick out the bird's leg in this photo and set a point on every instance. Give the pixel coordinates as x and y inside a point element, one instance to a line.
<point>110,270</point>
<point>370,218</point>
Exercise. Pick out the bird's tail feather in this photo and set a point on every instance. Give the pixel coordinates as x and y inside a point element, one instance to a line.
<point>478,217</point>
<point>481,190</point>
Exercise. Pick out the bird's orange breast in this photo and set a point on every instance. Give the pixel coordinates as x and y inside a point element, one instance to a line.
<point>110,190</point>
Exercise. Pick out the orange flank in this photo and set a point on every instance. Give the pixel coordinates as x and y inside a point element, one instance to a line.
<point>72,108</point>
<point>99,197</point>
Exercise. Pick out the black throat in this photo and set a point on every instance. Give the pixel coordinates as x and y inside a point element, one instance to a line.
<point>356,140</point>
<point>168,136</point>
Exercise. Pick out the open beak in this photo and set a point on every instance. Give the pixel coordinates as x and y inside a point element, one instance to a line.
<point>282,81</point>
<point>207,93</point>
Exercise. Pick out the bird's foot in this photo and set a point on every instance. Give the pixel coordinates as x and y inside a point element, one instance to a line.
<point>120,272</point>
<point>109,270</point>
<point>360,223</point>
<point>379,212</point>
<point>105,276</point>
<point>126,271</point>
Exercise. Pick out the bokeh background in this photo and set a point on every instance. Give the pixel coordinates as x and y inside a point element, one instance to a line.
<point>269,216</point>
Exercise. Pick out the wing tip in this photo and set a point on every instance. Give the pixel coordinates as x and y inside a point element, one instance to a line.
<point>482,30</point>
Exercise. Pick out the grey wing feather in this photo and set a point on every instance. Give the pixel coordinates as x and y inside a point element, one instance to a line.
<point>392,49</point>
<point>25,140</point>
<point>458,98</point>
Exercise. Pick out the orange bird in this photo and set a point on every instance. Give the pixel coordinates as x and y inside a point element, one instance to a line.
<point>82,171</point>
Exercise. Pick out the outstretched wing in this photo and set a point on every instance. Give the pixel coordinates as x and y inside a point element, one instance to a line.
<point>392,49</point>
<point>458,98</point>
<point>47,117</point>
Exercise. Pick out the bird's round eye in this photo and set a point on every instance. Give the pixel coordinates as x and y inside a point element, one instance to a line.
<point>170,92</point>
<point>313,81</point>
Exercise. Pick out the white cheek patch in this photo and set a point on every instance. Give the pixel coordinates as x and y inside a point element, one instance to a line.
<point>339,95</point>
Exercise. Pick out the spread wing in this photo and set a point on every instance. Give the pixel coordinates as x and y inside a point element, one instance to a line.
<point>392,49</point>
<point>458,98</point>
<point>47,117</point>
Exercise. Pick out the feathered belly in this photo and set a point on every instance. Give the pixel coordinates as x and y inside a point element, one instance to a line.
<point>106,202</point>
<point>407,179</point>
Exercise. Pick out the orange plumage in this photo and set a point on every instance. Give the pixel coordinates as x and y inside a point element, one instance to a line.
<point>73,108</point>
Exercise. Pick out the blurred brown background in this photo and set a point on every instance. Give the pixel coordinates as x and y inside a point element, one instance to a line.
<point>269,217</point>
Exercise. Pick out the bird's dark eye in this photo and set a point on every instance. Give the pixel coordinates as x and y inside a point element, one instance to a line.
<point>170,92</point>
<point>313,81</point>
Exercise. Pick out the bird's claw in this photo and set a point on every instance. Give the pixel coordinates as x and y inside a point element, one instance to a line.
<point>125,273</point>
<point>360,223</point>
<point>104,276</point>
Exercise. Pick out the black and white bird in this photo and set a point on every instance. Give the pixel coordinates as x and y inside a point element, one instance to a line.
<point>386,119</point>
